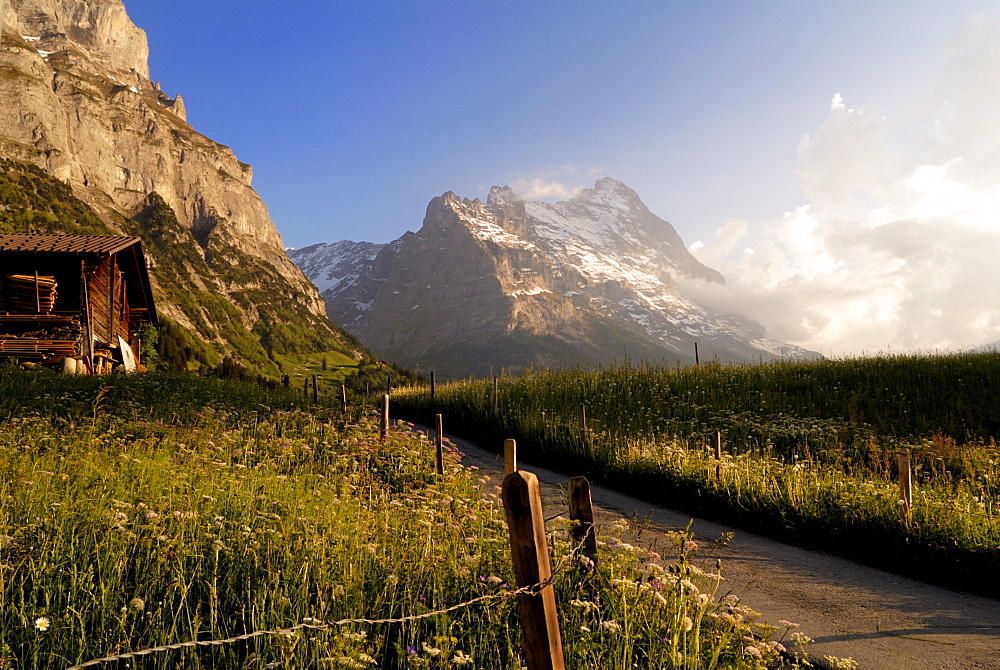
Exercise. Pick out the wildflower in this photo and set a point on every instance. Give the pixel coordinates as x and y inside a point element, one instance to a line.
<point>752,651</point>
<point>429,650</point>
<point>611,625</point>
<point>687,624</point>
<point>690,545</point>
<point>788,624</point>
<point>586,605</point>
<point>392,579</point>
<point>138,604</point>
<point>800,639</point>
<point>461,658</point>
<point>42,623</point>
<point>689,585</point>
<point>585,629</point>
<point>355,637</point>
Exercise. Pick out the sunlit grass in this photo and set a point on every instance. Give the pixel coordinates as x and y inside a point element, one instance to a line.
<point>809,449</point>
<point>145,511</point>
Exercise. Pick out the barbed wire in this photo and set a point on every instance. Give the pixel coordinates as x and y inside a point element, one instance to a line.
<point>315,624</point>
<point>534,589</point>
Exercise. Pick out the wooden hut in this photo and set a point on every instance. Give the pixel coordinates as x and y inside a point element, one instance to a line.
<point>78,301</point>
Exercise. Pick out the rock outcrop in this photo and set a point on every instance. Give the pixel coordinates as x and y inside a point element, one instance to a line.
<point>511,283</point>
<point>78,102</point>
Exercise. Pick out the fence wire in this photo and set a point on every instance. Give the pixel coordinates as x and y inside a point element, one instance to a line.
<point>315,624</point>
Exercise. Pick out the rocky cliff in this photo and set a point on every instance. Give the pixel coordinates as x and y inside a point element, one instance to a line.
<point>78,102</point>
<point>514,283</point>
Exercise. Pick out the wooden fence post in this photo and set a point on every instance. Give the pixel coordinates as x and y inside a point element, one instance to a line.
<point>509,456</point>
<point>439,443</point>
<point>697,360</point>
<point>315,388</point>
<point>285,380</point>
<point>343,397</point>
<point>581,510</point>
<point>583,418</point>
<point>433,387</point>
<point>718,454</point>
<point>522,503</point>
<point>905,485</point>
<point>384,424</point>
<point>305,387</point>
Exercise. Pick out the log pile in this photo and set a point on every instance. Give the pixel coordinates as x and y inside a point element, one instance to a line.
<point>19,347</point>
<point>27,293</point>
<point>37,339</point>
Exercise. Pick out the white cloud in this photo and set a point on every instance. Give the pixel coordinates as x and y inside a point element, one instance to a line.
<point>898,247</point>
<point>540,189</point>
<point>557,183</point>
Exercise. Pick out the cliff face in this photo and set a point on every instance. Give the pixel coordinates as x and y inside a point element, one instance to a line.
<point>78,102</point>
<point>513,283</point>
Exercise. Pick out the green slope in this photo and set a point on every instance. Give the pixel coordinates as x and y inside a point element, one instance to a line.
<point>239,307</point>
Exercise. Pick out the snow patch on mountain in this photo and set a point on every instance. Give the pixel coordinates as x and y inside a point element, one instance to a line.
<point>599,262</point>
<point>329,265</point>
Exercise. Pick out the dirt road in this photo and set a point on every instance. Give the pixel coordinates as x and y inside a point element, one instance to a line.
<point>881,620</point>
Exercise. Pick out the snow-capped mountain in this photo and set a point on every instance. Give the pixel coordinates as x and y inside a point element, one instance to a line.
<point>512,283</point>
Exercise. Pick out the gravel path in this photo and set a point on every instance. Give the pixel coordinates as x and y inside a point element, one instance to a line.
<point>882,621</point>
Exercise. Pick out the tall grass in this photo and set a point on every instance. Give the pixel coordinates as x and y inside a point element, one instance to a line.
<point>140,511</point>
<point>810,448</point>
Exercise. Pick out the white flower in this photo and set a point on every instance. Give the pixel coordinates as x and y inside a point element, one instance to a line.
<point>42,623</point>
<point>586,605</point>
<point>610,625</point>
<point>461,658</point>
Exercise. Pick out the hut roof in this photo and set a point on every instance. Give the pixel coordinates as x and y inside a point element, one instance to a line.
<point>133,263</point>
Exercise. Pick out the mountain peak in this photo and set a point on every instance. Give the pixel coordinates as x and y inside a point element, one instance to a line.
<point>99,29</point>
<point>610,192</point>
<point>520,282</point>
<point>502,195</point>
<point>611,184</point>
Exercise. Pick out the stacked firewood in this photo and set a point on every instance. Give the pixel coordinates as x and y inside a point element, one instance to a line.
<point>32,348</point>
<point>41,342</point>
<point>27,293</point>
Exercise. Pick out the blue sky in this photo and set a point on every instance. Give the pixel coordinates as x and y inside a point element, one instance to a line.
<point>355,114</point>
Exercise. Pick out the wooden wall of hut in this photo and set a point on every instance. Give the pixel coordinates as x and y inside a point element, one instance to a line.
<point>109,312</point>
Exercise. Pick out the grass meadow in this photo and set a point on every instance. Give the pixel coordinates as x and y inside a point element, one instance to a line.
<point>809,449</point>
<point>147,510</point>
